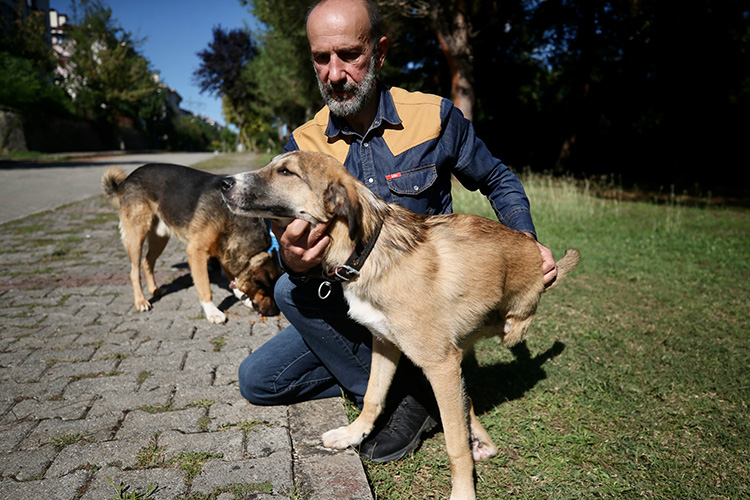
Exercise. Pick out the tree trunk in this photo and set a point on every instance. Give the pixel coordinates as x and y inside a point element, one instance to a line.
<point>453,30</point>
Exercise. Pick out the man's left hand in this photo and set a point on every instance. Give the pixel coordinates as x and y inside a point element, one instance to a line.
<point>549,267</point>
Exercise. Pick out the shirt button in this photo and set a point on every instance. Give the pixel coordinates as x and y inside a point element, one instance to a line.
<point>367,144</point>
<point>370,180</point>
<point>416,188</point>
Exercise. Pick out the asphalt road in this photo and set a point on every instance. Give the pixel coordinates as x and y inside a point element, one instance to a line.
<point>30,188</point>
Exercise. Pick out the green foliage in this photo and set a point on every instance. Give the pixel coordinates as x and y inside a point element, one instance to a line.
<point>221,73</point>
<point>108,76</point>
<point>633,381</point>
<point>25,37</point>
<point>192,134</point>
<point>26,64</point>
<point>25,87</point>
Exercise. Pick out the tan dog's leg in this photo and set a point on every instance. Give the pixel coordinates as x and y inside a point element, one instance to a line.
<point>198,262</point>
<point>482,446</point>
<point>385,358</point>
<point>156,244</point>
<point>447,384</point>
<point>133,237</point>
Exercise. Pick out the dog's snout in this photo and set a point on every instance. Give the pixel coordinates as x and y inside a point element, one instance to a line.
<point>227,183</point>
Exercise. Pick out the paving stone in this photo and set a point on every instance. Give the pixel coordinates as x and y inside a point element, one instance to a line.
<point>263,440</point>
<point>57,488</point>
<point>140,423</point>
<point>190,395</point>
<point>78,455</point>
<point>229,443</point>
<point>27,464</point>
<point>13,432</point>
<point>73,370</point>
<point>92,386</point>
<point>275,469</point>
<point>234,412</point>
<point>115,402</point>
<point>40,410</point>
<point>170,483</point>
<point>91,429</point>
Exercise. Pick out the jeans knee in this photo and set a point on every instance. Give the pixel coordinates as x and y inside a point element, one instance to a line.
<point>252,386</point>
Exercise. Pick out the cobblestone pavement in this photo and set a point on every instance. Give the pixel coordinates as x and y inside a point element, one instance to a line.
<point>98,400</point>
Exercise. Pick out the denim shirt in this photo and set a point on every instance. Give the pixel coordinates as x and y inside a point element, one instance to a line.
<point>409,161</point>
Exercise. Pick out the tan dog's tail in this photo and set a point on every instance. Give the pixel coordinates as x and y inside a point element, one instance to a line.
<point>566,265</point>
<point>111,180</point>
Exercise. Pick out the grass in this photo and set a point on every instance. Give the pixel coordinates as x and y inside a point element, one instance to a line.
<point>633,381</point>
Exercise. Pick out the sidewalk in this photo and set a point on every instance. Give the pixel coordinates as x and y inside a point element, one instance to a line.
<point>95,396</point>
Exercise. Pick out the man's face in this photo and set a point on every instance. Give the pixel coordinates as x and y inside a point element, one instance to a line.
<point>343,56</point>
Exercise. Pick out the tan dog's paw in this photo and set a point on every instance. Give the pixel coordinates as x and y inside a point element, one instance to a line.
<point>143,305</point>
<point>213,314</point>
<point>341,438</point>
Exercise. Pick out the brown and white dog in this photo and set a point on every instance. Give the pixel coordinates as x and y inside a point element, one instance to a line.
<point>429,287</point>
<point>158,200</point>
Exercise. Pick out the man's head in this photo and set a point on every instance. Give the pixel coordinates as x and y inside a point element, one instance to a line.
<point>347,50</point>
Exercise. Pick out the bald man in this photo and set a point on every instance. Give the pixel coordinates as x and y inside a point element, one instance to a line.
<point>406,147</point>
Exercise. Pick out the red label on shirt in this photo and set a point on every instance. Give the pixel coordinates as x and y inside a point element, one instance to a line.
<point>393,176</point>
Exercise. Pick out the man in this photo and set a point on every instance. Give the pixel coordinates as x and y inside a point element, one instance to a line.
<point>405,147</point>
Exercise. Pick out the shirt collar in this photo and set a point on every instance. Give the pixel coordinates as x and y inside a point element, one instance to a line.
<point>386,115</point>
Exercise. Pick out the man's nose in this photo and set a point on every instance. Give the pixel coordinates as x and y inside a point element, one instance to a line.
<point>336,70</point>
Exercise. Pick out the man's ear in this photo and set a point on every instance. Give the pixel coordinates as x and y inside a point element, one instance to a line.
<point>342,202</point>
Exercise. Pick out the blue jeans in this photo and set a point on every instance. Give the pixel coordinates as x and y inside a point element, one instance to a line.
<point>321,353</point>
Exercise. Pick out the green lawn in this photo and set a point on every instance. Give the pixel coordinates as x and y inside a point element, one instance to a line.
<point>635,379</point>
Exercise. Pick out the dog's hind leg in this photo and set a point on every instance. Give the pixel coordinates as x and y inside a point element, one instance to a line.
<point>157,240</point>
<point>385,357</point>
<point>133,236</point>
<point>447,383</point>
<point>482,446</point>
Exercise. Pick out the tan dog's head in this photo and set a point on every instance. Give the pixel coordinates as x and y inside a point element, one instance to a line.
<point>299,185</point>
<point>257,282</point>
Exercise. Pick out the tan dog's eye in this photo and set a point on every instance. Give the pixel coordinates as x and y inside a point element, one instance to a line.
<point>285,172</point>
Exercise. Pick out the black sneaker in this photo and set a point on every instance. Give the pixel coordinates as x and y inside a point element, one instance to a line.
<point>401,433</point>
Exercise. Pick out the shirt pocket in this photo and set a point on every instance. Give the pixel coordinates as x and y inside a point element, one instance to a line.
<point>412,182</point>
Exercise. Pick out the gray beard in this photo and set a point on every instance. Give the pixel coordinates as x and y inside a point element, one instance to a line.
<point>363,92</point>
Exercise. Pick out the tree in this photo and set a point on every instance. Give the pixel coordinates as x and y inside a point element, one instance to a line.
<point>107,77</point>
<point>26,64</point>
<point>221,73</point>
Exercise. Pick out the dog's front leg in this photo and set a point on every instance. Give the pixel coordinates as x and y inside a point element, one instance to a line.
<point>198,262</point>
<point>385,358</point>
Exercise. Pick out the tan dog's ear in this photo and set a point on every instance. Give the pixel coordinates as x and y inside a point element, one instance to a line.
<point>342,202</point>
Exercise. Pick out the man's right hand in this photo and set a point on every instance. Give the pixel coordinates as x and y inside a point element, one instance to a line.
<point>301,247</point>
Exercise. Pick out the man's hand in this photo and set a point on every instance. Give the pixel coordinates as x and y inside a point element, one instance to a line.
<point>549,266</point>
<point>300,246</point>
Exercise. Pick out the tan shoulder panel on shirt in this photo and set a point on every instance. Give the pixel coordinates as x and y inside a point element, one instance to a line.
<point>419,113</point>
<point>420,116</point>
<point>311,137</point>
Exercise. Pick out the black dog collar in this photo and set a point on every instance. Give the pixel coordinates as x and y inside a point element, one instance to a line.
<point>350,269</point>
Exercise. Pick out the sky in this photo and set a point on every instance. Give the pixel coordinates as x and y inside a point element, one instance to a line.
<point>174,31</point>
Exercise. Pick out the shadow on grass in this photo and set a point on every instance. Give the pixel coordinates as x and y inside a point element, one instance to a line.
<point>492,385</point>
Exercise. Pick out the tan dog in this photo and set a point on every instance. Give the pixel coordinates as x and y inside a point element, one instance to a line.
<point>429,287</point>
<point>158,200</point>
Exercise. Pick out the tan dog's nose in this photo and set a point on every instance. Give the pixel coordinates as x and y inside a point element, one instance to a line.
<point>227,183</point>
